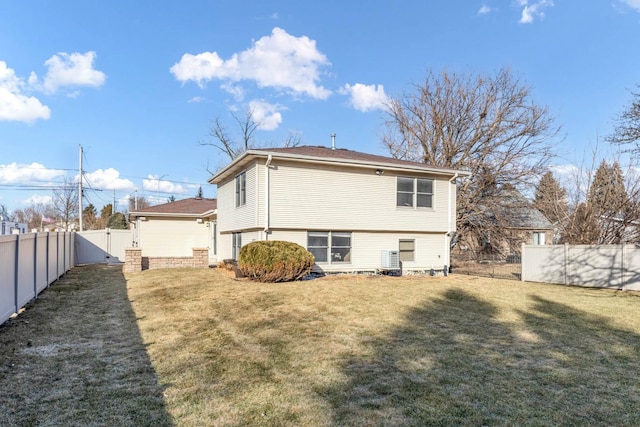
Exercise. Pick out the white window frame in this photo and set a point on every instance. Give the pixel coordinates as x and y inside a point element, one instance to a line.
<point>404,252</point>
<point>415,194</point>
<point>241,189</point>
<point>331,251</point>
<point>236,245</point>
<point>539,237</point>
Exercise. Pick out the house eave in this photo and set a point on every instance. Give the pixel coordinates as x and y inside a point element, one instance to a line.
<point>249,155</point>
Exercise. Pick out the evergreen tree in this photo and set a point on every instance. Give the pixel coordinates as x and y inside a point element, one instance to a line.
<point>199,193</point>
<point>117,221</point>
<point>608,194</point>
<point>551,198</point>
<point>89,217</point>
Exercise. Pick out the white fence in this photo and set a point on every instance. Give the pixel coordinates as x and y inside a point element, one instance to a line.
<point>600,266</point>
<point>28,264</point>
<point>102,246</point>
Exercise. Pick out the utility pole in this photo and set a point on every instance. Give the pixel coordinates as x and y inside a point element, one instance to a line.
<point>80,189</point>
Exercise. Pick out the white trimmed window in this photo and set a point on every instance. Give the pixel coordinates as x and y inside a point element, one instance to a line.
<point>236,245</point>
<point>539,238</point>
<point>414,192</point>
<point>330,246</point>
<point>241,189</point>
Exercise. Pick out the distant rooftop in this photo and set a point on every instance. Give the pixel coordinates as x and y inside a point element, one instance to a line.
<point>191,206</point>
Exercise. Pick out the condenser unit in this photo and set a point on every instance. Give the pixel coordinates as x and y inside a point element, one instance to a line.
<point>390,259</point>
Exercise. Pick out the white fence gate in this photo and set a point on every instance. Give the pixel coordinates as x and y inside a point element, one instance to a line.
<point>102,246</point>
<point>600,266</point>
<point>28,264</point>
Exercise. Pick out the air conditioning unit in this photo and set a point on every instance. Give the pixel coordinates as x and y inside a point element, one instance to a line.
<point>390,259</point>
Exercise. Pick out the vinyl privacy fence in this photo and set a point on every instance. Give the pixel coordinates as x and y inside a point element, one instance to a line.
<point>29,263</point>
<point>600,266</point>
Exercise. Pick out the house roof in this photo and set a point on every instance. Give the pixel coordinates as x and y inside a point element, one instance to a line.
<point>516,211</point>
<point>319,154</point>
<point>192,207</point>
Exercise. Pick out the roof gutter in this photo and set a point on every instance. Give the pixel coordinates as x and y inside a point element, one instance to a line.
<point>220,176</point>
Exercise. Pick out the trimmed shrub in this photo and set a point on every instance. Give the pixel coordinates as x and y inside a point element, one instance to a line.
<point>275,261</point>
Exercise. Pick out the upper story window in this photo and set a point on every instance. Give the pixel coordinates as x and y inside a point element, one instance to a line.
<point>414,192</point>
<point>241,189</point>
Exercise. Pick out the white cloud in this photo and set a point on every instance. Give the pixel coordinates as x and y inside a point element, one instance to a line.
<point>484,10</point>
<point>197,99</point>
<point>14,105</point>
<point>266,115</point>
<point>279,61</point>
<point>74,69</point>
<point>23,173</point>
<point>534,10</point>
<point>633,4</point>
<point>157,184</point>
<point>108,179</point>
<point>38,199</point>
<point>366,97</point>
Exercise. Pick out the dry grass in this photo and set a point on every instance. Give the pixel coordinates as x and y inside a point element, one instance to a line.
<point>362,351</point>
<point>75,358</point>
<point>389,351</point>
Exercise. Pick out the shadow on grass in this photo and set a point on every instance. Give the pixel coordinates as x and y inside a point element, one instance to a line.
<point>76,357</point>
<point>454,363</point>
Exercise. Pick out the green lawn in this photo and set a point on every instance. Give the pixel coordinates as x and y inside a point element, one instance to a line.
<point>361,351</point>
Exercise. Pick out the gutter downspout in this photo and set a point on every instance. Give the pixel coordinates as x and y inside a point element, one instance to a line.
<point>449,221</point>
<point>266,197</point>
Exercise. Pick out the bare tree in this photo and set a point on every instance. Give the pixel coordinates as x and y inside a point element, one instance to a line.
<point>627,130</point>
<point>225,142</point>
<point>603,205</point>
<point>234,144</point>
<point>65,202</point>
<point>484,124</point>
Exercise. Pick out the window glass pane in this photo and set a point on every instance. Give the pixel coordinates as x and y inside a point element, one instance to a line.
<point>425,186</point>
<point>315,239</point>
<point>405,199</point>
<point>341,239</point>
<point>320,254</point>
<point>340,254</point>
<point>405,184</point>
<point>424,200</point>
<point>407,245</point>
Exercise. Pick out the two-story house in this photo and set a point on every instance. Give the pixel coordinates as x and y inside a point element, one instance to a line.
<point>350,209</point>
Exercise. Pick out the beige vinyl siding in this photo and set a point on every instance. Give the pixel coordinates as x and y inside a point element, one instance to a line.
<point>366,250</point>
<point>231,217</point>
<point>337,198</point>
<point>225,242</point>
<point>172,237</point>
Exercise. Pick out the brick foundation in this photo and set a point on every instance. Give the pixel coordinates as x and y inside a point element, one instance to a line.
<point>134,261</point>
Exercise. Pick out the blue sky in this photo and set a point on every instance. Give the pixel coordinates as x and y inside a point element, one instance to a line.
<point>137,84</point>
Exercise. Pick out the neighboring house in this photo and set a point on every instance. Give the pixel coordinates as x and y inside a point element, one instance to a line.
<point>174,229</point>
<point>12,227</point>
<point>349,209</point>
<point>514,220</point>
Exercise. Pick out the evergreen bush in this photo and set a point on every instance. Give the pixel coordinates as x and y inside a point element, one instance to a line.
<point>275,261</point>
